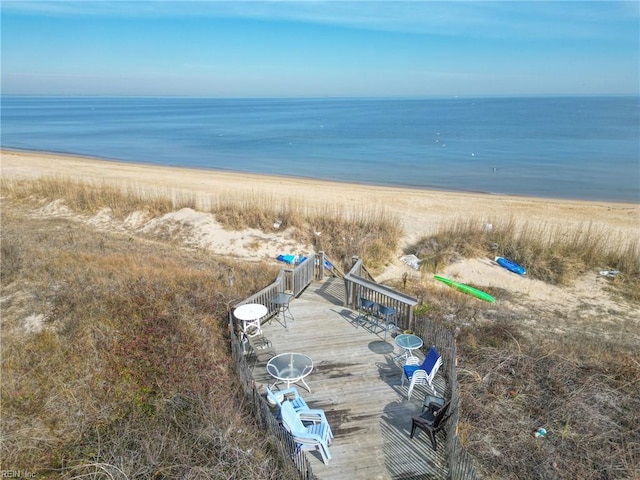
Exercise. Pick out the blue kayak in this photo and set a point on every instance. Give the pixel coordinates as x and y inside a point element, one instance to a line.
<point>511,266</point>
<point>290,259</point>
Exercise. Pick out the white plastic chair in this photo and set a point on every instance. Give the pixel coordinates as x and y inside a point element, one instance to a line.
<point>424,373</point>
<point>299,405</point>
<point>311,437</point>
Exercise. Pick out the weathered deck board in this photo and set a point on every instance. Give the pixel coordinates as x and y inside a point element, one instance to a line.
<point>357,382</point>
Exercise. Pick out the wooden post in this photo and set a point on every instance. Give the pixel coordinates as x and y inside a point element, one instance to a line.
<point>321,254</point>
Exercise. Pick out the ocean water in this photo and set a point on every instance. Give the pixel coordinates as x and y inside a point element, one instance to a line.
<point>585,148</point>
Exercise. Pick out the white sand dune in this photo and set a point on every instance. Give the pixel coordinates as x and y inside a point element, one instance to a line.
<point>421,212</point>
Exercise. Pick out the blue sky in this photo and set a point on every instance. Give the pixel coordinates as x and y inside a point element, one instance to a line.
<point>325,48</point>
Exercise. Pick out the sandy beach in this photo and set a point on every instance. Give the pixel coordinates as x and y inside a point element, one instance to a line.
<point>587,308</point>
<point>421,212</point>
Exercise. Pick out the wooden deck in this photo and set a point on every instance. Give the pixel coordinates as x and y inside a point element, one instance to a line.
<point>356,381</point>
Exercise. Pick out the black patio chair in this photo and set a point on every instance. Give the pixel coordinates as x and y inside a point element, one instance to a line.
<point>432,420</point>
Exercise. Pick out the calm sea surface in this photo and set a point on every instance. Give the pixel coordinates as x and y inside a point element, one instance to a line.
<point>562,147</point>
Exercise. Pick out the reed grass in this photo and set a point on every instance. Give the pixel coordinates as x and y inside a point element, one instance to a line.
<point>89,198</point>
<point>368,232</point>
<point>583,391</point>
<point>260,211</point>
<point>517,372</point>
<point>554,254</point>
<point>128,374</point>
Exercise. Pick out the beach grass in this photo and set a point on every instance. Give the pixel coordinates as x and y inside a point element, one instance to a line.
<point>259,211</point>
<point>554,254</point>
<point>122,368</point>
<point>115,356</point>
<point>370,233</point>
<point>577,387</point>
<point>520,370</point>
<point>89,198</point>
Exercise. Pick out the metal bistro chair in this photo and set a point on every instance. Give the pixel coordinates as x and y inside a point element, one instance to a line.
<point>259,347</point>
<point>366,312</point>
<point>388,314</point>
<point>281,303</point>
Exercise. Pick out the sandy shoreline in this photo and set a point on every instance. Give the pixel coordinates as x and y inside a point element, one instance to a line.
<point>420,211</point>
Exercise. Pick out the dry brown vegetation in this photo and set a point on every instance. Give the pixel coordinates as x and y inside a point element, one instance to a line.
<point>555,255</point>
<point>115,362</point>
<point>370,233</point>
<point>583,389</point>
<point>88,198</point>
<point>581,386</point>
<point>257,211</point>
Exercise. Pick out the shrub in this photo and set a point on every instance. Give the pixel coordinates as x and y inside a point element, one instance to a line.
<point>129,374</point>
<point>556,255</point>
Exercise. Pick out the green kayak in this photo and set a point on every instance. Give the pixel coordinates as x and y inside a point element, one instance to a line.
<point>466,289</point>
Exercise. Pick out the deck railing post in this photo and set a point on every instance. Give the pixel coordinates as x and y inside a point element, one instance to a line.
<point>460,463</point>
<point>354,260</point>
<point>321,268</point>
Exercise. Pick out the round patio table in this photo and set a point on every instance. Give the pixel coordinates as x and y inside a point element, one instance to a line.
<point>290,368</point>
<point>281,302</point>
<point>250,315</point>
<point>409,342</point>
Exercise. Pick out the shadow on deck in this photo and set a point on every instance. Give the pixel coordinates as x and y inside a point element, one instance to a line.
<point>356,380</point>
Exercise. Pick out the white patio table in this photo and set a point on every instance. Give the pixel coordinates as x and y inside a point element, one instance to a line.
<point>250,315</point>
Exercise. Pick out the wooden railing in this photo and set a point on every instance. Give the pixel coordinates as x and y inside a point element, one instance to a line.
<point>294,281</point>
<point>460,462</point>
<point>300,277</point>
<point>326,266</point>
<point>289,280</point>
<point>359,284</point>
<point>283,444</point>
